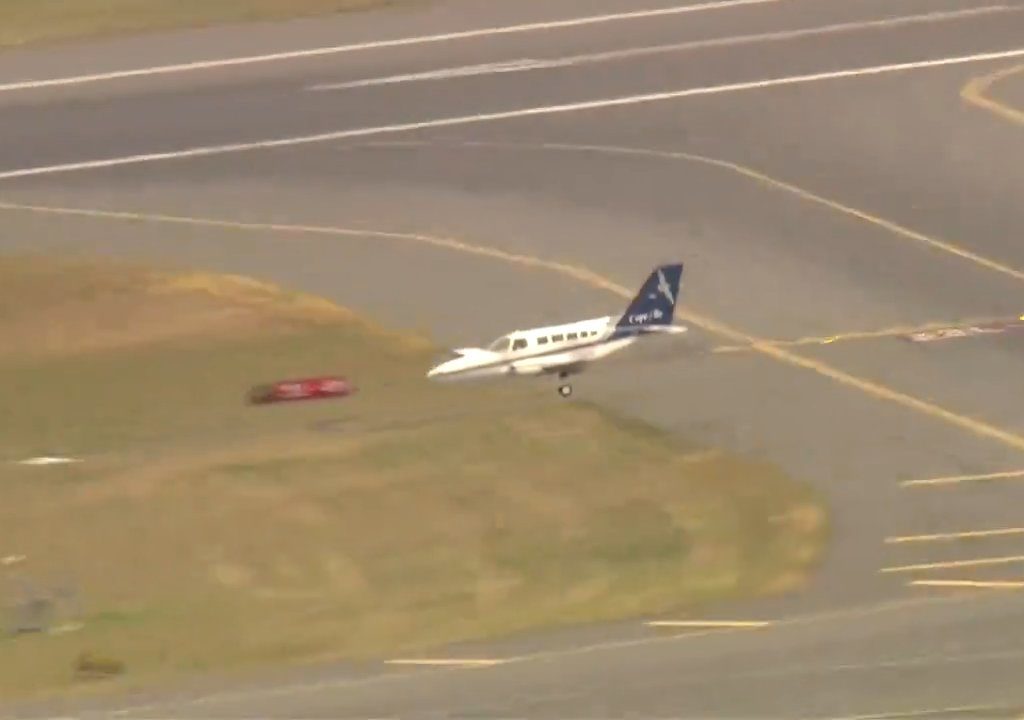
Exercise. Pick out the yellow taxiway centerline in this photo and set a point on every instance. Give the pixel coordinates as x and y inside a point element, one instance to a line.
<point>881,334</point>
<point>974,92</point>
<point>595,280</point>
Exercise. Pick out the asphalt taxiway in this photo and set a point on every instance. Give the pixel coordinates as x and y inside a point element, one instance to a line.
<point>828,184</point>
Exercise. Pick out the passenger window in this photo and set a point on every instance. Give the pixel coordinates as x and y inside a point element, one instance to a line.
<point>542,341</point>
<point>519,344</point>
<point>557,338</point>
<point>571,336</point>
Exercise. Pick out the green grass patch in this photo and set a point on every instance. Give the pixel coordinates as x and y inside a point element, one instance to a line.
<point>24,22</point>
<point>202,533</point>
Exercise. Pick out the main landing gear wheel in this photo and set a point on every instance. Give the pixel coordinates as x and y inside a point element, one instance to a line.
<point>565,389</point>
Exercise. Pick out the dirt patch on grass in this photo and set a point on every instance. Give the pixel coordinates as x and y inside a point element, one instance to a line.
<point>25,22</point>
<point>202,533</point>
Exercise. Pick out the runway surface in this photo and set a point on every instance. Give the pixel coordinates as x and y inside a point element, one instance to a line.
<point>836,175</point>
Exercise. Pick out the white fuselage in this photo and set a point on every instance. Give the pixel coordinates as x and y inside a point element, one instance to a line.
<point>551,349</point>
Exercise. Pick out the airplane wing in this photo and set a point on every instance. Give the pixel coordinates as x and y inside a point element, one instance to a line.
<point>550,364</point>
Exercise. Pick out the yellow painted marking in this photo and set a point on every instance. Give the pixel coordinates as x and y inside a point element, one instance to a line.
<point>895,228</point>
<point>708,623</point>
<point>977,562</point>
<point>460,662</point>
<point>974,92</point>
<point>895,331</point>
<point>592,279</point>
<point>892,227</point>
<point>966,535</point>
<point>957,479</point>
<point>874,389</point>
<point>978,584</point>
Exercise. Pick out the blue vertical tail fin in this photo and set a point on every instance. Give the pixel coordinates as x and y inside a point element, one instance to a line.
<point>655,303</point>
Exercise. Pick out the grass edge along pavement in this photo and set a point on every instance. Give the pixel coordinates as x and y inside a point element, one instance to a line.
<point>203,535</point>
<point>28,23</point>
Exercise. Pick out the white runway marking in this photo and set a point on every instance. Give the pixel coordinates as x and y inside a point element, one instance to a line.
<point>511,114</point>
<point>931,712</point>
<point>976,584</point>
<point>966,535</point>
<point>844,616</point>
<point>46,460</point>
<point>495,68</point>
<point>444,662</point>
<point>705,624</point>
<point>975,562</point>
<point>380,44</point>
<point>528,64</point>
<point>958,479</point>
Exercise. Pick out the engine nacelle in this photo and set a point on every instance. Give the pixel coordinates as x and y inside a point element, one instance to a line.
<point>525,368</point>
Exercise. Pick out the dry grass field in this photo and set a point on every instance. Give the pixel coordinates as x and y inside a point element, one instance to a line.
<point>202,533</point>
<point>24,22</point>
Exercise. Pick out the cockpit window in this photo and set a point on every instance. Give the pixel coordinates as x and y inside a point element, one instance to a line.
<point>519,344</point>
<point>501,344</point>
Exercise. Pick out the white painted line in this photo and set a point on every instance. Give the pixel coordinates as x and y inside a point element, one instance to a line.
<point>955,564</point>
<point>455,662</point>
<point>980,584</point>
<point>528,64</point>
<point>957,479</point>
<point>380,44</point>
<point>845,616</point>
<point>66,628</point>
<point>966,535</point>
<point>48,461</point>
<point>898,715</point>
<point>510,114</point>
<point>708,623</point>
<point>448,73</point>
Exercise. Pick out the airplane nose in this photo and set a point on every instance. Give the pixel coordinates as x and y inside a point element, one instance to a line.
<point>445,369</point>
<point>441,371</point>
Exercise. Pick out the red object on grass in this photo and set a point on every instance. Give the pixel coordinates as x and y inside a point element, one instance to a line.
<point>317,388</point>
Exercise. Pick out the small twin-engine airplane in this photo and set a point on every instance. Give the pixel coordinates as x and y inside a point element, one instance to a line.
<point>567,349</point>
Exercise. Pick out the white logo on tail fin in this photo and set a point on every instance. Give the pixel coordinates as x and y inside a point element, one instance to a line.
<point>664,288</point>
